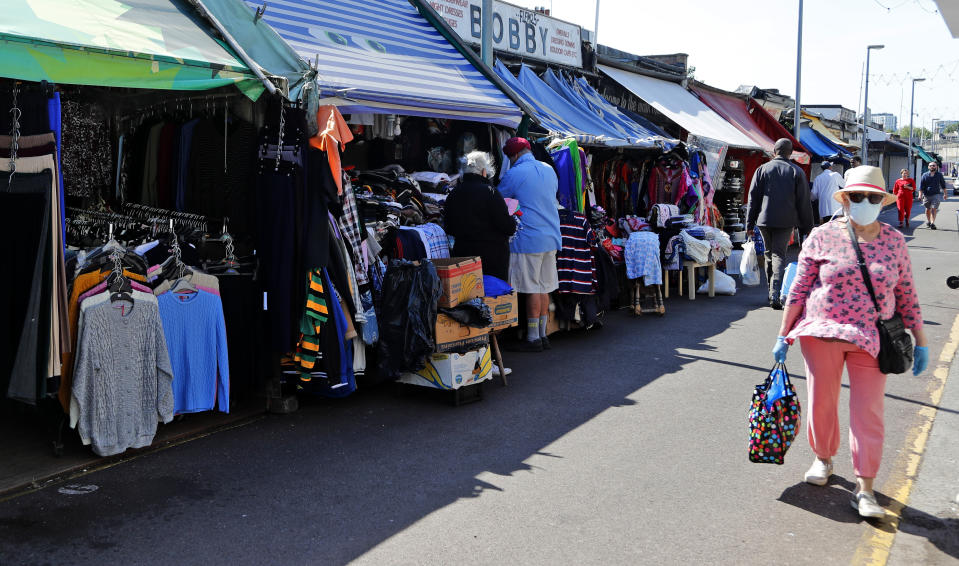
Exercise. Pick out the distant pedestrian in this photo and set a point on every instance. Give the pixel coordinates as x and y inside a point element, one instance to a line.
<point>477,217</point>
<point>932,188</point>
<point>778,202</point>
<point>532,260</point>
<point>823,187</point>
<point>830,310</point>
<point>854,161</point>
<point>905,190</point>
<point>953,170</point>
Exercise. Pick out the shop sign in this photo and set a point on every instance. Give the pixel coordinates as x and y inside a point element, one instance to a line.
<point>515,30</point>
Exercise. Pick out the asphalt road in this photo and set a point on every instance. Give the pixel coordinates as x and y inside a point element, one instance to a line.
<point>625,445</point>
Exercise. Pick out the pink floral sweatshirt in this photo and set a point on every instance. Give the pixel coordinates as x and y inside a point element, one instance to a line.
<point>829,284</point>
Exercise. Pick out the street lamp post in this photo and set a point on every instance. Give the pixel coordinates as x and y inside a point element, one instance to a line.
<point>932,141</point>
<point>912,106</point>
<point>865,108</point>
<point>798,111</point>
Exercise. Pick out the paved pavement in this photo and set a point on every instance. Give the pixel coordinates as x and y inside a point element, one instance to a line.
<point>625,445</point>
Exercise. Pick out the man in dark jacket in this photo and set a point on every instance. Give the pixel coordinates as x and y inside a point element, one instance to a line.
<point>778,202</point>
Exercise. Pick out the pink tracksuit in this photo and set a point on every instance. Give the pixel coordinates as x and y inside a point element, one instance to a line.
<point>838,327</point>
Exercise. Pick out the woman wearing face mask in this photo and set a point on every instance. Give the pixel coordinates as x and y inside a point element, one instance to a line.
<point>831,313</point>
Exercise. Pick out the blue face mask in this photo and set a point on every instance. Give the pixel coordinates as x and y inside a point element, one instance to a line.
<point>864,213</point>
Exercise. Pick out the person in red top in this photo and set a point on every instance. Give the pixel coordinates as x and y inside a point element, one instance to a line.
<point>904,189</point>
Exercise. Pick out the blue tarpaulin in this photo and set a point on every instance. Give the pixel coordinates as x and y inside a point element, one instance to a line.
<point>558,119</point>
<point>821,147</point>
<point>582,95</point>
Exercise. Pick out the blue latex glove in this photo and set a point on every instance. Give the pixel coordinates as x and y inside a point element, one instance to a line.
<point>920,358</point>
<point>780,349</point>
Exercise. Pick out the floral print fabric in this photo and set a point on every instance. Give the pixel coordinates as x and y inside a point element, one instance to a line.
<point>829,283</point>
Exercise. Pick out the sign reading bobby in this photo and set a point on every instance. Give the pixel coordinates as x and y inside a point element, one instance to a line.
<point>515,30</point>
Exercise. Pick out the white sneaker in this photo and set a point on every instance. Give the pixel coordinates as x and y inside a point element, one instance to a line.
<point>818,473</point>
<point>865,503</point>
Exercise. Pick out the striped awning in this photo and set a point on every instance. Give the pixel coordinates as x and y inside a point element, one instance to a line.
<point>385,57</point>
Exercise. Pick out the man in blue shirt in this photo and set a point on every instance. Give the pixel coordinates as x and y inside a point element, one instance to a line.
<point>532,262</point>
<point>932,188</point>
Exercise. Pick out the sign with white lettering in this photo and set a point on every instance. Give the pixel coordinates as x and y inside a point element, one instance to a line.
<point>515,30</point>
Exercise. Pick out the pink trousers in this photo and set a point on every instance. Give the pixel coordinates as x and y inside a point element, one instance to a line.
<point>824,362</point>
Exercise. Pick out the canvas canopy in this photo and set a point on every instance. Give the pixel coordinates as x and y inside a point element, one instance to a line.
<point>156,44</point>
<point>384,57</point>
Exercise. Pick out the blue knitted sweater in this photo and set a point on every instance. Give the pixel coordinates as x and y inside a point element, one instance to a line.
<point>196,340</point>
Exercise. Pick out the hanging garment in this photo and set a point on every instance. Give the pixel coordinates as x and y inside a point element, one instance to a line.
<point>315,315</point>
<point>83,283</point>
<point>24,207</point>
<point>434,240</point>
<point>122,384</point>
<point>642,258</point>
<point>333,136</point>
<point>352,229</point>
<point>275,247</point>
<point>241,309</point>
<point>196,341</point>
<point>87,149</point>
<point>574,261</point>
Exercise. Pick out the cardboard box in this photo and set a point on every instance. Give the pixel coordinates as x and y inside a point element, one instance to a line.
<point>452,371</point>
<point>451,335</point>
<point>461,279</point>
<point>505,310</point>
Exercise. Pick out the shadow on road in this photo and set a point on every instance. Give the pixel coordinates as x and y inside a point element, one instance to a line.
<point>833,502</point>
<point>339,477</point>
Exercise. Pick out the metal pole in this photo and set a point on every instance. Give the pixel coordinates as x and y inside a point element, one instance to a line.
<point>865,111</point>
<point>798,114</point>
<point>596,29</point>
<point>486,37</point>
<point>912,105</point>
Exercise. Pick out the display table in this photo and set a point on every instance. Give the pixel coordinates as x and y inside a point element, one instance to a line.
<point>690,268</point>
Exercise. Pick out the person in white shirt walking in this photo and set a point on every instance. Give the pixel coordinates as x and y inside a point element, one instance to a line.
<point>823,187</point>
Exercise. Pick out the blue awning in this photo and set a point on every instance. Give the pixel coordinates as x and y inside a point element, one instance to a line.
<point>554,119</point>
<point>582,95</point>
<point>821,147</point>
<point>384,57</point>
<point>561,117</point>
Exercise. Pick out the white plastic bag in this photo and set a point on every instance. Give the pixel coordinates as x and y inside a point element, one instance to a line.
<point>724,285</point>
<point>749,267</point>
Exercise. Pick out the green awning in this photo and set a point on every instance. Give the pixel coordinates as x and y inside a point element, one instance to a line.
<point>261,43</point>
<point>156,44</point>
<point>923,155</point>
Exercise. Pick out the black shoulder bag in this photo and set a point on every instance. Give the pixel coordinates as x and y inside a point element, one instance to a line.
<point>895,344</point>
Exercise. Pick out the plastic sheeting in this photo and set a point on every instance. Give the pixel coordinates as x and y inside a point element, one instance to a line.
<point>820,147</point>
<point>554,113</point>
<point>407,320</point>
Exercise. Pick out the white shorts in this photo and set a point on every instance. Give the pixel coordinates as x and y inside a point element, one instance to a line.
<point>533,273</point>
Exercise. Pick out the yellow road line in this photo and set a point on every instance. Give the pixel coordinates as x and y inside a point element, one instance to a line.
<point>876,543</point>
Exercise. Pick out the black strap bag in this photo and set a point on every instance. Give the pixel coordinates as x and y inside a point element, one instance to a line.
<point>895,344</point>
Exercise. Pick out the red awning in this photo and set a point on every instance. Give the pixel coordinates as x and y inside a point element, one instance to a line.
<point>751,119</point>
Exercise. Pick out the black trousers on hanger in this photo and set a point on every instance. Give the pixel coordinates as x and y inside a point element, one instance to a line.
<point>25,219</point>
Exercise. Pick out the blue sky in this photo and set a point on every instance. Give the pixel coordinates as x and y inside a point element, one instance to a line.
<point>754,42</point>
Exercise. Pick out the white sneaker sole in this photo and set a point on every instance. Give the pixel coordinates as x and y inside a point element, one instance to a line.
<point>816,480</point>
<point>867,515</point>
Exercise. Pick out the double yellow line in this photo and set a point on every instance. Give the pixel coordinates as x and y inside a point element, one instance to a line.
<point>876,543</point>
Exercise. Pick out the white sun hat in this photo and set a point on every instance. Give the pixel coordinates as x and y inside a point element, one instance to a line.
<point>865,179</point>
